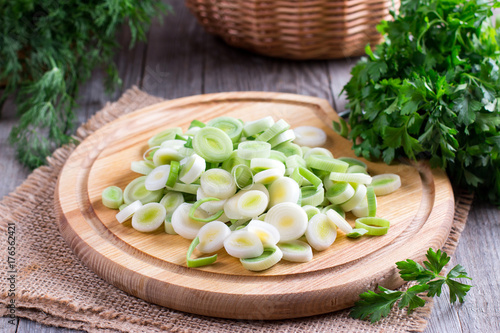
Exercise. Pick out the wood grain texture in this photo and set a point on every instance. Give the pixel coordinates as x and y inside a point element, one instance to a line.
<point>182,30</point>
<point>152,266</point>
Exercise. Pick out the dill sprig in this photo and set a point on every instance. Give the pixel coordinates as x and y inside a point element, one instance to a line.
<point>48,49</point>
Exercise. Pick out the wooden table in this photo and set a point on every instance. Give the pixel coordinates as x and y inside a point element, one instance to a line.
<point>180,59</point>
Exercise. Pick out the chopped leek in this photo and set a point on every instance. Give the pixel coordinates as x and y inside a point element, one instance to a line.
<point>296,251</point>
<point>198,262</point>
<point>375,226</point>
<point>112,197</point>
<point>240,186</point>
<point>231,126</point>
<point>252,149</point>
<point>270,257</point>
<point>149,217</point>
<point>309,136</point>
<point>213,144</point>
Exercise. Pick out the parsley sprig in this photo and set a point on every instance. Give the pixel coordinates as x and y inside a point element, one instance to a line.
<point>374,306</point>
<point>432,90</point>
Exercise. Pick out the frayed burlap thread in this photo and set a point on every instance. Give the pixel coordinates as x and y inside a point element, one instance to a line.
<point>54,288</point>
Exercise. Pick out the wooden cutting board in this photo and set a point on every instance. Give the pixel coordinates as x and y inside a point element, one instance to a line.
<point>152,266</point>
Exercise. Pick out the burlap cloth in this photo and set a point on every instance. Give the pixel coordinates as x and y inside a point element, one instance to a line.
<point>53,287</point>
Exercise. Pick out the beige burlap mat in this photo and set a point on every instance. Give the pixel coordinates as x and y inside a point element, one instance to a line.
<point>53,287</point>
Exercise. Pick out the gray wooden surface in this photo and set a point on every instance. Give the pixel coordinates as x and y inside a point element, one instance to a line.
<point>180,59</point>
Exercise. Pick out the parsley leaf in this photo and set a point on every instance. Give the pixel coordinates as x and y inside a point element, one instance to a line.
<point>374,306</point>
<point>410,298</point>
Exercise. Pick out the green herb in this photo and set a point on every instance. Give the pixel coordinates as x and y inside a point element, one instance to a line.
<point>432,90</point>
<point>48,49</point>
<point>374,306</point>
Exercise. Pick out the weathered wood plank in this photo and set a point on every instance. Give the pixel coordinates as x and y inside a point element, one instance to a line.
<point>13,173</point>
<point>479,253</point>
<point>176,50</point>
<point>6,325</point>
<point>339,72</point>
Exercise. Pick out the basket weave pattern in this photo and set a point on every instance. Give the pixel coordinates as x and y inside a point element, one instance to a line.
<point>295,29</point>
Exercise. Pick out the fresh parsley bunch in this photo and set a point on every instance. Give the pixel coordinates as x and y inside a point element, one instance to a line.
<point>374,306</point>
<point>49,48</point>
<point>432,90</point>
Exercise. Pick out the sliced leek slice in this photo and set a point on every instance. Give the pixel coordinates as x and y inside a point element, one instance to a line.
<point>157,179</point>
<point>320,233</point>
<point>386,183</point>
<point>340,192</point>
<point>213,144</point>
<point>261,164</point>
<point>165,156</point>
<point>242,175</point>
<point>183,224</point>
<point>358,178</point>
<point>312,196</point>
<point>358,196</point>
<point>233,161</point>
<point>196,205</point>
<point>218,183</point>
<point>309,136</point>
<point>284,189</point>
<point>339,221</point>
<point>253,149</point>
<point>136,190</point>
<point>357,232</point>
<point>171,200</point>
<point>295,161</point>
<point>243,244</point>
<point>326,163</point>
<point>127,212</point>
<point>286,136</point>
<point>168,134</point>
<point>268,176</point>
<point>310,177</point>
<point>318,151</point>
<point>184,188</point>
<point>376,226</point>
<point>142,167</point>
<point>229,125</point>
<point>112,197</point>
<point>310,211</point>
<point>149,217</point>
<point>361,209</point>
<point>296,251</point>
<point>290,220</point>
<point>353,161</point>
<point>198,262</point>
<point>267,233</point>
<point>252,203</point>
<point>356,169</point>
<point>191,168</point>
<point>270,257</point>
<point>278,127</point>
<point>212,236</point>
<point>252,128</point>
<point>211,207</point>
<point>289,149</point>
<point>278,156</point>
<point>371,200</point>
<point>168,226</point>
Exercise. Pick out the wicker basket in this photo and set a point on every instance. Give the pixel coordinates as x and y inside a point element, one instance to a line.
<point>295,29</point>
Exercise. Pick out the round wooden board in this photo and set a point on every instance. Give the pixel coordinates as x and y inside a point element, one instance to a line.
<point>152,266</point>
